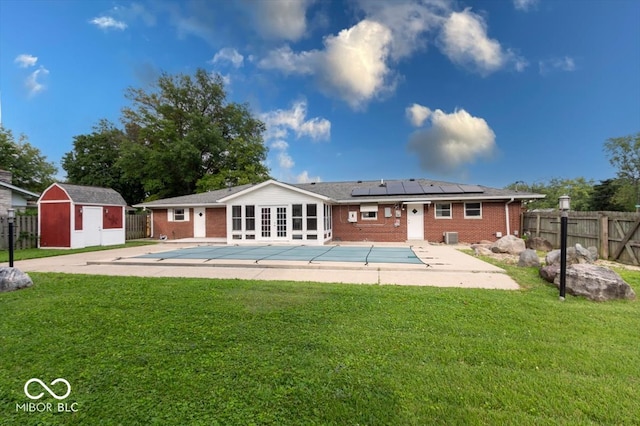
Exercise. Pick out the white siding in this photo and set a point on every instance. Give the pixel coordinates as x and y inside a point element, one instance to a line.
<point>273,195</point>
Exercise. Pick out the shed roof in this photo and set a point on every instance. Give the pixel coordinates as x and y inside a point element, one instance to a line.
<point>81,194</point>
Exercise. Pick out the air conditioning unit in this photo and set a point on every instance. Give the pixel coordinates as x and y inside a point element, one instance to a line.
<point>451,237</point>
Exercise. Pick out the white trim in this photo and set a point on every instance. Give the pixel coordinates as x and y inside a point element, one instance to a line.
<point>271,182</point>
<point>435,211</point>
<point>472,217</point>
<point>171,214</point>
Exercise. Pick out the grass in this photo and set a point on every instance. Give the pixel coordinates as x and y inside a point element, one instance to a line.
<point>36,253</point>
<point>144,351</point>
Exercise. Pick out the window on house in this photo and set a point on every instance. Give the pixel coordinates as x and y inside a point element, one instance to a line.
<point>236,218</point>
<point>443,210</point>
<point>296,217</point>
<point>250,218</point>
<point>473,210</point>
<point>178,215</point>
<point>369,215</point>
<point>312,217</point>
<point>369,211</point>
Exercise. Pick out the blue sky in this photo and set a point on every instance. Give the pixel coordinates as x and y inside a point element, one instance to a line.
<point>483,92</point>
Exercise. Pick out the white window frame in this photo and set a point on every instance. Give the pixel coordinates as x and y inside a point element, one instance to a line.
<point>369,211</point>
<point>467,216</point>
<point>172,215</point>
<point>435,211</point>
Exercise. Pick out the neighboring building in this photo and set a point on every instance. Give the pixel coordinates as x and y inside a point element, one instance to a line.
<point>12,197</point>
<point>74,216</point>
<point>316,213</point>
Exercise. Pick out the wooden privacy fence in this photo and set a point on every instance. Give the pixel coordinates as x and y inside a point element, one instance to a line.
<point>137,226</point>
<point>25,230</point>
<point>616,235</point>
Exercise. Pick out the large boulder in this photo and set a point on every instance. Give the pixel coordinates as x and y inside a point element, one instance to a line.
<point>509,244</point>
<point>529,258</point>
<point>575,255</point>
<point>13,279</point>
<point>538,243</point>
<point>595,283</point>
<point>549,272</point>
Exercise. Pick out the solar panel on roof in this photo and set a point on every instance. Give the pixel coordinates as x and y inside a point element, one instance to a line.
<point>395,188</point>
<point>451,189</point>
<point>412,188</point>
<point>358,192</point>
<point>378,190</point>
<point>471,188</point>
<point>432,189</point>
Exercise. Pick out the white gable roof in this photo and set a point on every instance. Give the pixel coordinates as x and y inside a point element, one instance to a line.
<point>272,182</point>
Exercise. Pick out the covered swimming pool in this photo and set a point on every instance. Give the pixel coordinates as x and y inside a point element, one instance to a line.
<point>310,254</point>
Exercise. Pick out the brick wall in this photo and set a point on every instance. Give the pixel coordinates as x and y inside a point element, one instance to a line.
<point>173,230</point>
<point>384,230</point>
<point>216,223</point>
<point>472,230</point>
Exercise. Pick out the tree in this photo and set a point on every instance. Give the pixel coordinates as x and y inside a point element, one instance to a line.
<point>604,198</point>
<point>579,189</point>
<point>30,169</point>
<point>94,161</point>
<point>184,136</point>
<point>624,155</point>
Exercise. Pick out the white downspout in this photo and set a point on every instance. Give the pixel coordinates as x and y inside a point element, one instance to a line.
<point>506,212</point>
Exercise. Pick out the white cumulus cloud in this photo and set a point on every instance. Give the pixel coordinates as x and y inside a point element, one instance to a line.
<point>33,82</point>
<point>451,141</point>
<point>417,114</point>
<point>25,60</point>
<point>280,19</point>
<point>305,178</point>
<point>107,22</point>
<point>285,161</point>
<point>524,5</point>
<point>280,122</point>
<point>465,42</point>
<point>230,55</point>
<point>352,65</point>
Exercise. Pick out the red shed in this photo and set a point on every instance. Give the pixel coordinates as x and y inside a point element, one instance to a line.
<point>74,216</point>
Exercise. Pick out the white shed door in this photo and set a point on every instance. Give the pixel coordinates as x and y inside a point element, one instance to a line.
<point>92,226</point>
<point>415,222</point>
<point>199,222</point>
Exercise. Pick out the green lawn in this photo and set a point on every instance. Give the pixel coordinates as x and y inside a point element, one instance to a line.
<point>144,351</point>
<point>36,253</point>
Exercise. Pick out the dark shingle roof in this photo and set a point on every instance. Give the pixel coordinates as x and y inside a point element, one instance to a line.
<point>200,199</point>
<point>342,192</point>
<point>93,195</point>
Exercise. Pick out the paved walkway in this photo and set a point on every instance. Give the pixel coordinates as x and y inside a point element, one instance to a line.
<point>445,267</point>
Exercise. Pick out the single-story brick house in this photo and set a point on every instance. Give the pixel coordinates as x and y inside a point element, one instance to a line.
<point>317,213</point>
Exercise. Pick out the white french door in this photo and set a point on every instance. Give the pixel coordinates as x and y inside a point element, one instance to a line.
<point>273,223</point>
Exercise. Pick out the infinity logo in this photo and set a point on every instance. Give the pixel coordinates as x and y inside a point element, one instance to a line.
<point>41,383</point>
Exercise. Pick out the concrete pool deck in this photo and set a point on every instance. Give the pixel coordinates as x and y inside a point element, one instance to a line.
<point>444,266</point>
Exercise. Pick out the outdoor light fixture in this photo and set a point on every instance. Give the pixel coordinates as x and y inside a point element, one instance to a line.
<point>11,215</point>
<point>564,204</point>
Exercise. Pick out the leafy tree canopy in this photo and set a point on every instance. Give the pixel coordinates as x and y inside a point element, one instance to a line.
<point>183,136</point>
<point>579,189</point>
<point>94,161</point>
<point>624,155</point>
<point>30,169</point>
